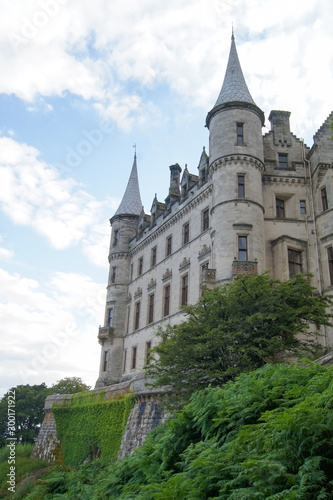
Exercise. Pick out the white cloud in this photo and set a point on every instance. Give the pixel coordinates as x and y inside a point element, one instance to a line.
<point>49,332</point>
<point>112,52</point>
<point>32,194</point>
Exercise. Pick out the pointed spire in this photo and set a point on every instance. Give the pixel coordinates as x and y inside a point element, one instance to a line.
<point>234,87</point>
<point>131,203</point>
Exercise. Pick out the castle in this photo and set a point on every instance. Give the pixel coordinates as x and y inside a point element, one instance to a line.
<point>258,202</point>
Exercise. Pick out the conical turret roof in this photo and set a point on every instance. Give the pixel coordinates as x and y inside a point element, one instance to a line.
<point>131,203</point>
<point>234,87</point>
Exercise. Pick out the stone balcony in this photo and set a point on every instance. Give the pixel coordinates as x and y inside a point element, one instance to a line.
<point>244,267</point>
<point>208,279</point>
<point>105,333</point>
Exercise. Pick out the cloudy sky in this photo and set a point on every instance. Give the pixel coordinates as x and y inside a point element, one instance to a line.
<point>81,82</point>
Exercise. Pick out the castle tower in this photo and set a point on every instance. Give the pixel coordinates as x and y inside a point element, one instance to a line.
<point>124,227</point>
<point>236,165</point>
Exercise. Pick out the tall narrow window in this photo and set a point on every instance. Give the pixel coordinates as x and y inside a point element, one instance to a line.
<point>294,261</point>
<point>128,318</point>
<point>125,360</point>
<point>113,274</point>
<point>151,308</point>
<point>105,361</point>
<point>134,351</point>
<point>153,256</point>
<point>140,266</point>
<point>131,272</point>
<point>240,133</point>
<point>330,263</point>
<point>302,206</point>
<point>116,237</point>
<point>148,349</point>
<point>110,317</point>
<point>184,290</point>
<point>166,305</point>
<point>283,160</point>
<point>324,199</point>
<point>137,316</point>
<point>169,245</point>
<point>186,233</point>
<point>203,175</point>
<point>241,186</point>
<point>242,248</point>
<point>280,212</point>
<point>205,219</point>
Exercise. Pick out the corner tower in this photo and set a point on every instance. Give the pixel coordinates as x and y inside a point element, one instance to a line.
<point>124,227</point>
<point>236,165</point>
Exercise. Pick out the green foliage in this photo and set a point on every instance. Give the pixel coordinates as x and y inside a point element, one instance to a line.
<point>269,435</point>
<point>266,436</point>
<point>29,404</point>
<point>69,385</point>
<point>89,423</point>
<point>236,328</point>
<point>24,464</point>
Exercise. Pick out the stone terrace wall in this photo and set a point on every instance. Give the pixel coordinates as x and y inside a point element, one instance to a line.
<point>145,415</point>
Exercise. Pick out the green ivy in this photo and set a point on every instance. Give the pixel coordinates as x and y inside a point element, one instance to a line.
<point>88,422</point>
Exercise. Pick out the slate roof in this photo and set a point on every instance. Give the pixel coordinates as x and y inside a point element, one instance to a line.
<point>131,202</point>
<point>234,87</point>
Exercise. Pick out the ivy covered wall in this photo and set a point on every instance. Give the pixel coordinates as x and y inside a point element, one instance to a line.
<point>90,424</point>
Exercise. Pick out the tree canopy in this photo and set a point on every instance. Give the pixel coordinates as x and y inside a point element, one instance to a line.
<point>29,404</point>
<point>236,328</point>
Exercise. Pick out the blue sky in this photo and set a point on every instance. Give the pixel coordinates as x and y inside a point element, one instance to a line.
<point>81,83</point>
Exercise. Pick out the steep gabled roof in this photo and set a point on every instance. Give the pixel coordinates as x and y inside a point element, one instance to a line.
<point>131,203</point>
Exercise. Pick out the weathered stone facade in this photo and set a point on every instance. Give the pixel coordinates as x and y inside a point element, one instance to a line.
<point>257,202</point>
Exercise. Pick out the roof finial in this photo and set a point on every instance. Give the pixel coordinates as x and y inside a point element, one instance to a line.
<point>134,146</point>
<point>232,31</point>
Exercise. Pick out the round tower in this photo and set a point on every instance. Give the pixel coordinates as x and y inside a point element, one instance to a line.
<point>124,225</point>
<point>236,165</point>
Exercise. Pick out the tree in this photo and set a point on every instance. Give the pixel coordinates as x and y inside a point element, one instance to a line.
<point>69,385</point>
<point>29,405</point>
<point>235,328</point>
<point>28,412</point>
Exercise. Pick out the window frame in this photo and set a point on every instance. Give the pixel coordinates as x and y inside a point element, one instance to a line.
<point>330,263</point>
<point>113,274</point>
<point>166,300</point>
<point>239,133</point>
<point>151,305</point>
<point>283,160</point>
<point>242,250</point>
<point>280,207</point>
<point>184,290</point>
<point>134,357</point>
<point>324,201</point>
<point>292,262</point>
<point>153,256</point>
<point>148,349</point>
<point>168,249</point>
<point>110,316</point>
<point>137,315</point>
<point>124,360</point>
<point>205,219</point>
<point>105,361</point>
<point>241,185</point>
<point>116,237</point>
<point>186,233</point>
<point>302,207</point>
<point>140,266</point>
